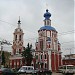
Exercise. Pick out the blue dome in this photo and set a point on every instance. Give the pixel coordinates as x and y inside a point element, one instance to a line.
<point>47,28</point>
<point>47,15</point>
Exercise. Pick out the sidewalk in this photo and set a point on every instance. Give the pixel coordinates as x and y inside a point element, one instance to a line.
<point>53,73</point>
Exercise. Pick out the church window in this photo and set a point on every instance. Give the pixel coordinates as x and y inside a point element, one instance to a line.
<point>47,22</point>
<point>54,34</point>
<point>36,56</point>
<point>41,56</point>
<point>45,65</point>
<point>19,50</point>
<point>20,38</point>
<point>36,48</point>
<point>41,44</point>
<point>49,45</point>
<point>44,22</point>
<point>45,56</point>
<point>15,37</point>
<point>42,65</point>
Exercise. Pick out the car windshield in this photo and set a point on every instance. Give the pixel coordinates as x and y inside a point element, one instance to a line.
<point>70,67</point>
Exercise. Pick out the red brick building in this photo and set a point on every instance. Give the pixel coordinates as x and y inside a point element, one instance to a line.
<point>16,59</point>
<point>47,54</point>
<point>48,50</point>
<point>17,48</point>
<point>69,59</point>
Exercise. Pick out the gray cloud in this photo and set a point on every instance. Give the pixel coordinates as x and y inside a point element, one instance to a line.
<point>31,13</point>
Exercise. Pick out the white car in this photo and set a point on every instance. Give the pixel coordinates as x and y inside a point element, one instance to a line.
<point>27,69</point>
<point>67,69</point>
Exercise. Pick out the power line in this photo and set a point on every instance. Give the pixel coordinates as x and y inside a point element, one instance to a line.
<point>65,33</point>
<point>6,22</point>
<point>37,38</point>
<point>68,48</point>
<point>34,32</point>
<point>67,42</point>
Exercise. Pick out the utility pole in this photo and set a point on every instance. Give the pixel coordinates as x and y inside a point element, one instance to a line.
<point>70,54</point>
<point>2,43</point>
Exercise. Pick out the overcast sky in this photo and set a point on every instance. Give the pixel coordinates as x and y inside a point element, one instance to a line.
<point>31,15</point>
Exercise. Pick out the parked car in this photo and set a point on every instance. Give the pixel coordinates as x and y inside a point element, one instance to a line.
<point>7,71</point>
<point>67,69</point>
<point>44,71</point>
<point>27,69</point>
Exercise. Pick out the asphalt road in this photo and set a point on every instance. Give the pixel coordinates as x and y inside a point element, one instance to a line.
<point>58,74</point>
<point>52,74</point>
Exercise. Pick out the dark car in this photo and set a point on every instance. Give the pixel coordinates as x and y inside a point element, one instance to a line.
<point>44,72</point>
<point>7,71</point>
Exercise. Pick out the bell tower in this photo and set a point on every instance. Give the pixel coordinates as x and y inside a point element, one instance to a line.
<point>18,39</point>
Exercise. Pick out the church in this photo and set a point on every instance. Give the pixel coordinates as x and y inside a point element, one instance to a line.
<point>17,48</point>
<point>47,53</point>
<point>48,48</point>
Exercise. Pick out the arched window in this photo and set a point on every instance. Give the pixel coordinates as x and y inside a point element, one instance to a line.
<point>15,37</point>
<point>49,45</point>
<point>45,65</point>
<point>44,22</point>
<point>48,23</point>
<point>41,44</point>
<point>19,50</point>
<point>45,56</point>
<point>20,38</point>
<point>41,56</point>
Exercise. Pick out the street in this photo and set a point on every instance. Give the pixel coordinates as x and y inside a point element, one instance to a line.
<point>54,74</point>
<point>58,74</point>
